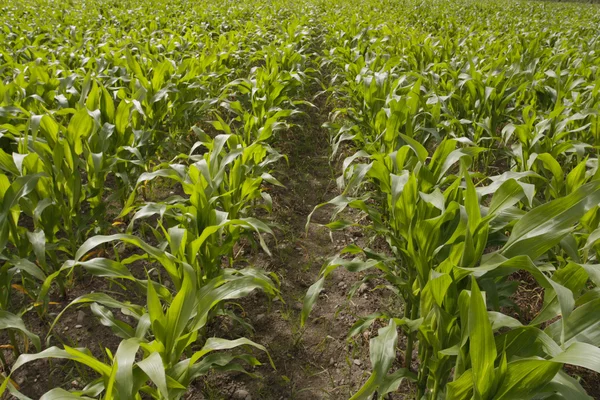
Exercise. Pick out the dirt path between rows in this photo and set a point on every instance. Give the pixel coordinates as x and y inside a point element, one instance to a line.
<point>314,362</point>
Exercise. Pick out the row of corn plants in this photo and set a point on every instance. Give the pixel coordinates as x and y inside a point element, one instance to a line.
<point>469,143</point>
<point>103,107</point>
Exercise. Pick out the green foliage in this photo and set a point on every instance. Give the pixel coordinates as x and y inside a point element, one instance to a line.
<point>468,132</point>
<point>474,155</point>
<point>104,106</point>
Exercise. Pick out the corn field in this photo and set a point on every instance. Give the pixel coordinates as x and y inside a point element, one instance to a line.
<point>395,199</point>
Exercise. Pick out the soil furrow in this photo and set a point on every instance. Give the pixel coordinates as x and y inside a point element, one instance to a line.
<point>316,361</point>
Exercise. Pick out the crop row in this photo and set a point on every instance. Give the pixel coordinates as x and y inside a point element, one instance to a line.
<point>469,136</point>
<point>105,107</point>
<point>138,143</point>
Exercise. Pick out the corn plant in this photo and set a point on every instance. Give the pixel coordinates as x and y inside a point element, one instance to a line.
<point>436,252</point>
<point>164,336</point>
<point>467,140</point>
<point>393,99</point>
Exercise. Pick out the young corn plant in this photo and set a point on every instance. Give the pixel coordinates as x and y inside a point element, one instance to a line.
<point>224,187</point>
<point>167,349</point>
<point>438,232</point>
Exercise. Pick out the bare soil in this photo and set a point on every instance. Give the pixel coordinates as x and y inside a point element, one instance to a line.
<point>316,361</point>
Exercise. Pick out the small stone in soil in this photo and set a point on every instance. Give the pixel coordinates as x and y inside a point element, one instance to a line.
<point>331,361</point>
<point>78,326</point>
<point>80,317</point>
<point>357,362</point>
<point>241,394</point>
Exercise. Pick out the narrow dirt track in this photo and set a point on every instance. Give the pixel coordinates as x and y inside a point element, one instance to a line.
<point>314,362</point>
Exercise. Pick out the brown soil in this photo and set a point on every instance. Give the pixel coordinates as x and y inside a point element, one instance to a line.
<point>528,298</point>
<point>588,379</point>
<point>315,361</point>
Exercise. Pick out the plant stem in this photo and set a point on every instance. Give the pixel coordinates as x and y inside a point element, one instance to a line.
<point>61,285</point>
<point>414,309</point>
<point>4,363</point>
<point>422,377</point>
<point>410,338</point>
<point>13,342</point>
<point>436,389</point>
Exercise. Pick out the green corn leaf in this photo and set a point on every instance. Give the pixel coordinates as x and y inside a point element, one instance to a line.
<point>461,388</point>
<point>125,359</point>
<point>61,394</point>
<point>383,353</point>
<point>167,260</point>
<point>312,294</point>
<point>544,227</point>
<point>80,127</point>
<point>564,387</point>
<point>107,106</point>
<point>153,367</point>
<point>29,267</point>
<point>107,318</point>
<point>101,298</point>
<point>482,346</point>
<point>577,177</point>
<point>69,354</point>
<point>564,296</point>
<point>392,381</point>
<point>112,381</point>
<point>581,354</point>
<point>524,378</point>
<point>122,117</point>
<point>507,195</point>
<point>11,321</point>
<point>582,325</point>
<point>180,311</point>
<point>552,165</point>
<point>225,288</point>
<point>527,341</point>
<point>156,314</point>
<point>84,356</point>
<point>213,344</point>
